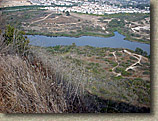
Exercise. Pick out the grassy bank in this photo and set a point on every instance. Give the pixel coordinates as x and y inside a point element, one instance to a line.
<point>128,37</point>
<point>117,15</point>
<point>70,35</point>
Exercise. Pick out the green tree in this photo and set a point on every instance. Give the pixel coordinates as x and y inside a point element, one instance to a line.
<point>145,53</point>
<point>73,45</point>
<point>139,51</point>
<point>16,40</point>
<point>67,13</point>
<point>9,34</point>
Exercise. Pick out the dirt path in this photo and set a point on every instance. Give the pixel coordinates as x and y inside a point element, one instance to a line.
<point>40,19</point>
<point>138,57</point>
<point>118,74</point>
<point>133,66</point>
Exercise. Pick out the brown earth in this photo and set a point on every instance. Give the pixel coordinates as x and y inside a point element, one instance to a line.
<point>9,3</point>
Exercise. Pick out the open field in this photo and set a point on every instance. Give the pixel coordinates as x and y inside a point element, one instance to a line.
<point>136,27</point>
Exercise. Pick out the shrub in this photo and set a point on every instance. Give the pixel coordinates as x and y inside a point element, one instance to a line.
<point>14,40</point>
<point>118,70</point>
<point>146,73</point>
<point>125,73</point>
<point>132,58</point>
<point>110,70</point>
<point>141,52</point>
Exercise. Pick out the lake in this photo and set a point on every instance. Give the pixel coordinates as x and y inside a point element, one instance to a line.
<point>116,41</point>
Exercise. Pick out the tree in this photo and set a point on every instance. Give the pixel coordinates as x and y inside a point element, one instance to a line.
<point>139,51</point>
<point>67,13</point>
<point>73,45</point>
<point>145,53</point>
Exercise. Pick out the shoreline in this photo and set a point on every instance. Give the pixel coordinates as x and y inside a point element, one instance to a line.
<point>87,34</point>
<point>74,35</point>
<point>72,38</point>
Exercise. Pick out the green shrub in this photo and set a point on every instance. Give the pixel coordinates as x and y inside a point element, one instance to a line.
<point>16,39</point>
<point>110,54</point>
<point>110,70</point>
<point>125,73</point>
<point>118,70</point>
<point>146,73</point>
<point>118,77</point>
<point>118,54</point>
<point>132,58</point>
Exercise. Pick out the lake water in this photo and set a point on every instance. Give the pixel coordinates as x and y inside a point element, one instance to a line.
<point>116,41</point>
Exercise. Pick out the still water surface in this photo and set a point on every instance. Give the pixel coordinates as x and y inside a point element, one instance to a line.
<point>116,41</point>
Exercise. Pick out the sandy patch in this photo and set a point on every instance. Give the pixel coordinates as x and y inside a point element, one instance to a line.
<point>9,3</point>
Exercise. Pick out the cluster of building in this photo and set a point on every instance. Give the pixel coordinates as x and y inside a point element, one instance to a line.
<point>87,7</point>
<point>101,9</point>
<point>54,2</point>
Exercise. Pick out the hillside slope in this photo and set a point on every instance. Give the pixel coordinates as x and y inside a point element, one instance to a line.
<point>37,80</point>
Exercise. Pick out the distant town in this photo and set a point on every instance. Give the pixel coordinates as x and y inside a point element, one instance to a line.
<point>99,7</point>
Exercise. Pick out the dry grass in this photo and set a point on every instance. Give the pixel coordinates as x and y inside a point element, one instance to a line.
<point>67,76</point>
<point>34,83</point>
<point>24,90</point>
<point>41,83</point>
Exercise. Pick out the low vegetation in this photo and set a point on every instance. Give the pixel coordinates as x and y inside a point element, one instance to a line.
<point>100,63</point>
